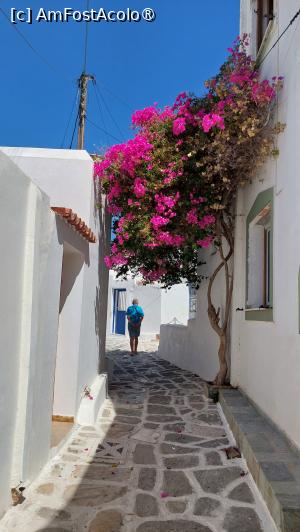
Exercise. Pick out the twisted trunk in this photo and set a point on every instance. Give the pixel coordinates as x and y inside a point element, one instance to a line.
<point>224,238</point>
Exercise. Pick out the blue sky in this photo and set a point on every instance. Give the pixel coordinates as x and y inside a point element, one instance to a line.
<point>135,64</point>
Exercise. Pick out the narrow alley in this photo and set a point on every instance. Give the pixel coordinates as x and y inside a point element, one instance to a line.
<point>154,462</point>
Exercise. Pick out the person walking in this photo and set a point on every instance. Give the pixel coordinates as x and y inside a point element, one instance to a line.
<point>135,316</point>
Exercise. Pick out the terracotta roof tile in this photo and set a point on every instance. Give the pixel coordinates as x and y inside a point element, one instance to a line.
<point>74,220</point>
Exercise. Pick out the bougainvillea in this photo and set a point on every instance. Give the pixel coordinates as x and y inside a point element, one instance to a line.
<point>172,188</point>
<point>167,186</point>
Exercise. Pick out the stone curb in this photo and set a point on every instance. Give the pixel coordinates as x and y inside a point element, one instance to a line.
<point>273,463</point>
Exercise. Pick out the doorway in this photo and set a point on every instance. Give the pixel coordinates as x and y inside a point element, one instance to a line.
<point>119,311</point>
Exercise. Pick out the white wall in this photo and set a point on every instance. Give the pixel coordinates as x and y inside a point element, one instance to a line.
<point>14,192</point>
<point>67,177</point>
<point>175,304</point>
<point>160,305</point>
<point>265,356</point>
<point>67,356</point>
<point>31,262</point>
<point>149,297</point>
<point>195,347</point>
<point>28,245</point>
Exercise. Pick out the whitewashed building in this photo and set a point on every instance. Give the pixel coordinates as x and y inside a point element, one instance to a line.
<point>52,307</point>
<point>160,306</point>
<point>265,324</point>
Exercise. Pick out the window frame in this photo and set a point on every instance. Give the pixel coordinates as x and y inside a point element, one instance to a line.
<point>265,311</point>
<point>262,24</point>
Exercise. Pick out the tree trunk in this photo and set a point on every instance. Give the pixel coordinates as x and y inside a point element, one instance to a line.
<point>223,369</point>
<point>224,230</point>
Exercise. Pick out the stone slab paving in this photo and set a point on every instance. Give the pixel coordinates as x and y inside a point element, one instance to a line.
<point>153,462</point>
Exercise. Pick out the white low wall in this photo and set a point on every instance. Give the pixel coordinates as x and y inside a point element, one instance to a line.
<point>195,347</point>
<point>175,304</point>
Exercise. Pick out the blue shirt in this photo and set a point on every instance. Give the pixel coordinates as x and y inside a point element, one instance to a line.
<point>135,313</point>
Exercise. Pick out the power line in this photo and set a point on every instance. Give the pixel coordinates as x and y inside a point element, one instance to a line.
<point>109,112</point>
<point>103,130</point>
<point>280,37</point>
<point>34,50</point>
<point>123,102</point>
<point>86,38</point>
<point>100,109</point>
<point>70,117</point>
<point>73,134</point>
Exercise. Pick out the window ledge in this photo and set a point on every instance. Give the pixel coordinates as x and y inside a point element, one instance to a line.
<point>259,314</point>
<point>260,309</point>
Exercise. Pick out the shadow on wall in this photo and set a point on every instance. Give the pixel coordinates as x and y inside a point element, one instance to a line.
<point>102,222</point>
<point>71,266</point>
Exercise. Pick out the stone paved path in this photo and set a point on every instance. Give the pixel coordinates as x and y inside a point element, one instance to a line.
<point>152,463</point>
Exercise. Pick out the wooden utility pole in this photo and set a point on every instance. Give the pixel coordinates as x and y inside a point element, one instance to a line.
<point>83,88</point>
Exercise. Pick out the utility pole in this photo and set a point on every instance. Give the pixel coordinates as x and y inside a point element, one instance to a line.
<point>83,88</point>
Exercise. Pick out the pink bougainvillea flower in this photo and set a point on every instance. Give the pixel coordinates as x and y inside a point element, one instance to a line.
<point>115,192</point>
<point>140,118</point>
<point>192,217</point>
<point>159,221</point>
<point>166,114</point>
<point>208,219</point>
<point>154,275</point>
<point>211,120</point>
<point>179,126</point>
<point>119,259</point>
<point>205,242</point>
<point>139,188</point>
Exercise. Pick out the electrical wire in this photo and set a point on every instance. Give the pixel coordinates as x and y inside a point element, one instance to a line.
<point>70,118</point>
<point>123,102</point>
<point>100,108</point>
<point>34,50</point>
<point>86,39</point>
<point>109,112</point>
<point>103,130</point>
<point>279,38</point>
<point>75,125</point>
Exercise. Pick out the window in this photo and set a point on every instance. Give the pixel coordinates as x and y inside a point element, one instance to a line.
<point>192,302</point>
<point>259,289</point>
<point>264,13</point>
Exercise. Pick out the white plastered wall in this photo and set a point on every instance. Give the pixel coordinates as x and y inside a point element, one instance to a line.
<point>160,305</point>
<point>67,177</point>
<point>265,355</point>
<point>175,304</point>
<point>149,299</point>
<point>32,273</point>
<point>195,346</point>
